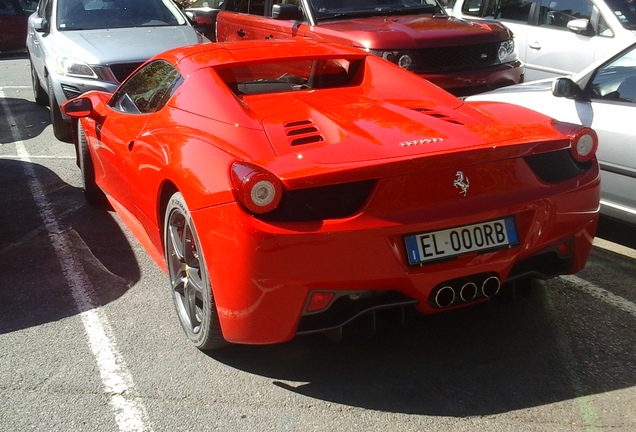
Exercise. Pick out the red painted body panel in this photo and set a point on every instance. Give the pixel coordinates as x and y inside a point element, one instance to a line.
<point>275,267</point>
<point>409,141</point>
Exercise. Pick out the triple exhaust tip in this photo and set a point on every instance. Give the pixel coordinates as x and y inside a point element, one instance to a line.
<point>447,294</point>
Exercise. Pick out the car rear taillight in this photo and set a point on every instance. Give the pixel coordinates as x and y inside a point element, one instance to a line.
<point>584,144</point>
<point>257,189</point>
<point>584,140</point>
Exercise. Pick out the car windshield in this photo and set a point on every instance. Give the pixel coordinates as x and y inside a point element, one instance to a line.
<point>329,9</point>
<point>108,14</point>
<point>625,11</point>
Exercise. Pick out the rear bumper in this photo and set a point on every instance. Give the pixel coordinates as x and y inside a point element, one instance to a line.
<point>262,274</point>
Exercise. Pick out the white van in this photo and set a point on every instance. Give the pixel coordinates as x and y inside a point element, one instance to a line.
<point>558,37</point>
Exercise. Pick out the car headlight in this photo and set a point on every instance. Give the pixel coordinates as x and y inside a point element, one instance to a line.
<point>74,67</point>
<point>404,59</point>
<point>506,52</point>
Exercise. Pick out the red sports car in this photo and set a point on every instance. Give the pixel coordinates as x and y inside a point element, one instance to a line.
<point>289,187</point>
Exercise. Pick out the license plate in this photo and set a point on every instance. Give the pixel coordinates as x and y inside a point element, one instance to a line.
<point>448,243</point>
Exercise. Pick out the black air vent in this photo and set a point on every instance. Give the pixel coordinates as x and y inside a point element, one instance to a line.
<point>302,132</point>
<point>438,115</point>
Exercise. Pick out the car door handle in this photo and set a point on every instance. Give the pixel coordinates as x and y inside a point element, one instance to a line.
<point>241,32</point>
<point>535,46</point>
<point>269,37</point>
<point>131,145</point>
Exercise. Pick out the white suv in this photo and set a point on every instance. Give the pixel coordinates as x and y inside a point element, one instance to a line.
<point>558,37</point>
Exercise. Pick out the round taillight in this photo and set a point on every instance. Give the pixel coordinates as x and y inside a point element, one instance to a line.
<point>584,144</point>
<point>257,189</point>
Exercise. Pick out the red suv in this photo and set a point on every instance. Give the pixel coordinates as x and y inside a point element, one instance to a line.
<point>463,57</point>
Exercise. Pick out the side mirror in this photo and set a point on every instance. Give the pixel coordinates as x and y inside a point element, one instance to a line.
<point>41,25</point>
<point>565,87</point>
<point>78,107</point>
<point>580,26</point>
<point>287,12</point>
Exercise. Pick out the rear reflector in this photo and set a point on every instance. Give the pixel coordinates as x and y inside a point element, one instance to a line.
<point>319,301</point>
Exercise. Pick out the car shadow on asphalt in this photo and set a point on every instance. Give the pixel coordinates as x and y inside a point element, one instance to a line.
<point>34,289</point>
<point>14,55</point>
<point>479,361</point>
<point>30,120</point>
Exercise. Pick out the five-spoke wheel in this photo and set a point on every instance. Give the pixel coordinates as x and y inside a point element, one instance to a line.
<point>190,284</point>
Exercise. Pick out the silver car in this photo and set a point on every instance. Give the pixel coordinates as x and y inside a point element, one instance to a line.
<point>80,45</point>
<point>602,96</point>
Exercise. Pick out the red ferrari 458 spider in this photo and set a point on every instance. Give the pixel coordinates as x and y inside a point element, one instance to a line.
<point>290,187</point>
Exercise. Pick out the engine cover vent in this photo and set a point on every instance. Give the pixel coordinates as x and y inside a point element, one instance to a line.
<point>302,132</point>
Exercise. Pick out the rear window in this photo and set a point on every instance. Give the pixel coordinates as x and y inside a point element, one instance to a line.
<point>290,76</point>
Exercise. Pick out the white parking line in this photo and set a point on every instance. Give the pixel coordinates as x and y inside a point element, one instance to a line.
<point>130,412</point>
<point>615,247</point>
<point>13,87</point>
<point>602,294</point>
<point>32,157</point>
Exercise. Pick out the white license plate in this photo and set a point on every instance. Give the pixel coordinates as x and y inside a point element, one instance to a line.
<point>447,243</point>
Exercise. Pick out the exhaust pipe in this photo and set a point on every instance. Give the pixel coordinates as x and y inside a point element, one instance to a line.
<point>468,292</point>
<point>491,286</point>
<point>444,297</point>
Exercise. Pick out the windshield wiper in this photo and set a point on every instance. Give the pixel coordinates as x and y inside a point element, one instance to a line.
<point>381,11</point>
<point>352,14</point>
<point>409,9</point>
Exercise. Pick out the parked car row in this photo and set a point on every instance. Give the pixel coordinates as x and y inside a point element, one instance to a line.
<point>300,173</point>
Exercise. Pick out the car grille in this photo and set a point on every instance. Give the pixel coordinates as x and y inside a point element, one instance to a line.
<point>438,59</point>
<point>122,70</point>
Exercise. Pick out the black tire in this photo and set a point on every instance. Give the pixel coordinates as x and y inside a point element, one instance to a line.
<point>92,192</point>
<point>41,98</point>
<point>189,281</point>
<point>61,128</point>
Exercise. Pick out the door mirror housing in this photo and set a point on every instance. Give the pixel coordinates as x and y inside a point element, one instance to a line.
<point>41,25</point>
<point>565,87</point>
<point>78,107</point>
<point>580,26</point>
